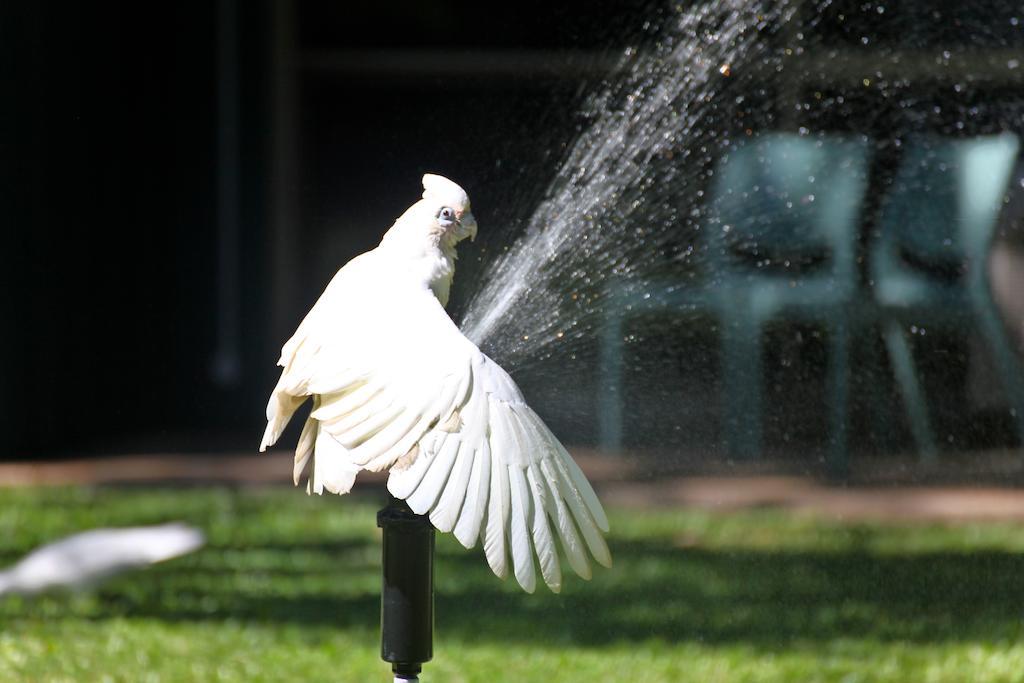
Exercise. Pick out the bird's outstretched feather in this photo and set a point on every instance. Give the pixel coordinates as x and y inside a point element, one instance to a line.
<point>396,386</point>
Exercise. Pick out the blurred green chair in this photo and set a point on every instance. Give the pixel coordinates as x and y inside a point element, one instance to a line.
<point>929,260</point>
<point>779,243</point>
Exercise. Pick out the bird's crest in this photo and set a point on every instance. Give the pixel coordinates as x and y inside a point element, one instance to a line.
<point>440,189</point>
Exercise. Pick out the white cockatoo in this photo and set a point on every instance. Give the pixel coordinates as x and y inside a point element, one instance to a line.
<point>84,559</point>
<point>396,386</point>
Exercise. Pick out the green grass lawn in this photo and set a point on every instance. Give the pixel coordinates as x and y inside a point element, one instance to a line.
<point>287,590</point>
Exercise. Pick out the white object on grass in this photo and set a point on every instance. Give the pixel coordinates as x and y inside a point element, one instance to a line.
<point>83,559</point>
<point>396,386</point>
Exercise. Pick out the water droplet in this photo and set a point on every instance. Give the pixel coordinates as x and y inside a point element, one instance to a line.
<point>725,70</point>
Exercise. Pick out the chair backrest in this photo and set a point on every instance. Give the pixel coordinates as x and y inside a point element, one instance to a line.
<point>785,200</point>
<point>942,208</point>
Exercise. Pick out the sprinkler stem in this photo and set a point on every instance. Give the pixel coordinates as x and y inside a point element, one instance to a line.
<point>407,590</point>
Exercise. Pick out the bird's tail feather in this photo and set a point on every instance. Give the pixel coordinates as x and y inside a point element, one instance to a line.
<point>332,468</point>
<point>304,449</point>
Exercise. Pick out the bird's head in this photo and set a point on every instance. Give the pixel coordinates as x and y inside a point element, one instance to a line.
<point>448,206</point>
<point>442,216</point>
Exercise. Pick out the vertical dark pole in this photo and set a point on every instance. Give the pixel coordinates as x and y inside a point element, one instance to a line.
<point>407,590</point>
<point>227,368</point>
<point>285,167</point>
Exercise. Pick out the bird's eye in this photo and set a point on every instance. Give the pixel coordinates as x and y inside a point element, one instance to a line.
<point>446,216</point>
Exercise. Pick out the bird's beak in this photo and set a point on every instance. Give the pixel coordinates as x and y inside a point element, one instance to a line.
<point>467,227</point>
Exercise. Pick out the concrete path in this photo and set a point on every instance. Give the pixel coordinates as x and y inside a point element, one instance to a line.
<point>620,482</point>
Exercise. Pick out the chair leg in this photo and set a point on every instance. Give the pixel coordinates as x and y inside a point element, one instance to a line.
<point>910,386</point>
<point>877,376</point>
<point>839,391</point>
<point>741,386</point>
<point>610,384</point>
<point>1007,362</point>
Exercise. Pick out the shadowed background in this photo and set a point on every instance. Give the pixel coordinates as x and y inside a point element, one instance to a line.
<point>183,179</point>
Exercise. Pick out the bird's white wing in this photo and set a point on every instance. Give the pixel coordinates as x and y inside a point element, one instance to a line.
<point>493,470</point>
<point>396,385</point>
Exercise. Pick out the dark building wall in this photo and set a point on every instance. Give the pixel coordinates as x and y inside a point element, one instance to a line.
<point>110,215</point>
<point>112,160</point>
